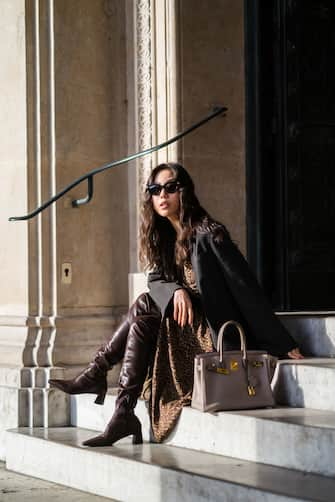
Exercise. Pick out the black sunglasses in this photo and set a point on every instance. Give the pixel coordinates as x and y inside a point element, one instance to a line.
<point>169,187</point>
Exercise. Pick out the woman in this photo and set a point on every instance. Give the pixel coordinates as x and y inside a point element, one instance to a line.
<point>199,280</point>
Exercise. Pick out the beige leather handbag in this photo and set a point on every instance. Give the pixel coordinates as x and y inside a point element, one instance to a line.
<point>233,380</point>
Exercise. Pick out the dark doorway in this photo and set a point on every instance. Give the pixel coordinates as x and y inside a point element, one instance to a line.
<point>290,72</point>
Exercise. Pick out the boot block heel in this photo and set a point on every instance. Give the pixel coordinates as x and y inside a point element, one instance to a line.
<point>100,399</point>
<point>137,438</point>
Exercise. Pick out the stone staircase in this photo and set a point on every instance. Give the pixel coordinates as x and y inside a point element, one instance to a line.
<point>281,454</point>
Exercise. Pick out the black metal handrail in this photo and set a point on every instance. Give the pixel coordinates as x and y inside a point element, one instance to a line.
<point>89,176</point>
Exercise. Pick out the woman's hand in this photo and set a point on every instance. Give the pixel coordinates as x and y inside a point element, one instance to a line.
<point>295,354</point>
<point>182,308</point>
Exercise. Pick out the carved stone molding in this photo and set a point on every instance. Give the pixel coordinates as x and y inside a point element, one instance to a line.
<point>156,80</point>
<point>143,79</point>
<point>153,32</point>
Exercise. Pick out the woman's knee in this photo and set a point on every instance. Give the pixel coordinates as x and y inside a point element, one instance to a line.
<point>145,305</point>
<point>146,319</point>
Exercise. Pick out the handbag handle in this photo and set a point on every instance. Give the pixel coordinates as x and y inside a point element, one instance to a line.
<point>242,338</point>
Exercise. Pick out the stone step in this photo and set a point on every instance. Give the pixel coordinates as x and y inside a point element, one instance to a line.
<point>314,333</point>
<point>308,383</point>
<point>293,438</point>
<point>152,472</point>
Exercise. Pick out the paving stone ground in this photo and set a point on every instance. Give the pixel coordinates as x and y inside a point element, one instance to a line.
<point>16,488</point>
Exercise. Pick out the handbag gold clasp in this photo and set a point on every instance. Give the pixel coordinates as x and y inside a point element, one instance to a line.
<point>218,369</point>
<point>222,371</point>
<point>257,364</point>
<point>233,365</point>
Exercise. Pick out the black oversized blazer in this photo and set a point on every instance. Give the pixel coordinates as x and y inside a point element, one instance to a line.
<point>228,290</point>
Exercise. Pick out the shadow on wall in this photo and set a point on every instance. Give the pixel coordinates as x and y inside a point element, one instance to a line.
<point>286,386</point>
<point>314,335</point>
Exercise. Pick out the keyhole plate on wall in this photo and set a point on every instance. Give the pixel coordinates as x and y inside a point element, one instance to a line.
<point>66,273</point>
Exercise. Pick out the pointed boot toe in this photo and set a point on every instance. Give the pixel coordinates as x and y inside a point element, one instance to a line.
<point>97,441</point>
<point>119,427</point>
<point>103,440</point>
<point>64,385</point>
<point>83,384</point>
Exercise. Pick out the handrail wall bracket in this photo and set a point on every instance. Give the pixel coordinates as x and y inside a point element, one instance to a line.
<point>85,200</point>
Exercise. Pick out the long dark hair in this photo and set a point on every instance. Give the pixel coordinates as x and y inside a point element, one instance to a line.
<point>160,247</point>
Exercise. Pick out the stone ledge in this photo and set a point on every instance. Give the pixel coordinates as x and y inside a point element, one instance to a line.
<point>294,438</point>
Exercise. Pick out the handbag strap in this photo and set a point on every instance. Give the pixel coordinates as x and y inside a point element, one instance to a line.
<point>242,338</point>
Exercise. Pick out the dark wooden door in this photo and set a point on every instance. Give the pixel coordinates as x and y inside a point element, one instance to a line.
<point>292,231</point>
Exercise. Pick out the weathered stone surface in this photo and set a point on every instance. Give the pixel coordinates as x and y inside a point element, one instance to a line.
<point>14,412</point>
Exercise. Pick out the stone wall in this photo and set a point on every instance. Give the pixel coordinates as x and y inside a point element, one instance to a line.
<point>211,45</point>
<point>91,129</point>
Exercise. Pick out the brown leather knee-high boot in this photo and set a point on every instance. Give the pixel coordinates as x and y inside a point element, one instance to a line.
<point>140,347</point>
<point>93,379</point>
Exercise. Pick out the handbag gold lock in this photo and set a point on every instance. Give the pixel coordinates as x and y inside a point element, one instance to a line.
<point>251,390</point>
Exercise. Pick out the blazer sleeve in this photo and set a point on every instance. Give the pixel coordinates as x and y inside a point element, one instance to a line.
<point>253,304</point>
<point>161,291</point>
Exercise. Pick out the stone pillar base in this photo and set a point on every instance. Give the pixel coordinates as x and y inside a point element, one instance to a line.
<point>26,399</point>
<point>137,284</point>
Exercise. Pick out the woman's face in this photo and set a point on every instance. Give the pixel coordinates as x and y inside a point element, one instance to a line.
<point>166,204</point>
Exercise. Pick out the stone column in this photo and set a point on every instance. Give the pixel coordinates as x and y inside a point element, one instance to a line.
<point>15,329</point>
<point>154,68</point>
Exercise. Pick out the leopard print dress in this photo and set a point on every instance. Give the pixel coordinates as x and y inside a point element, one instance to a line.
<point>172,371</point>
